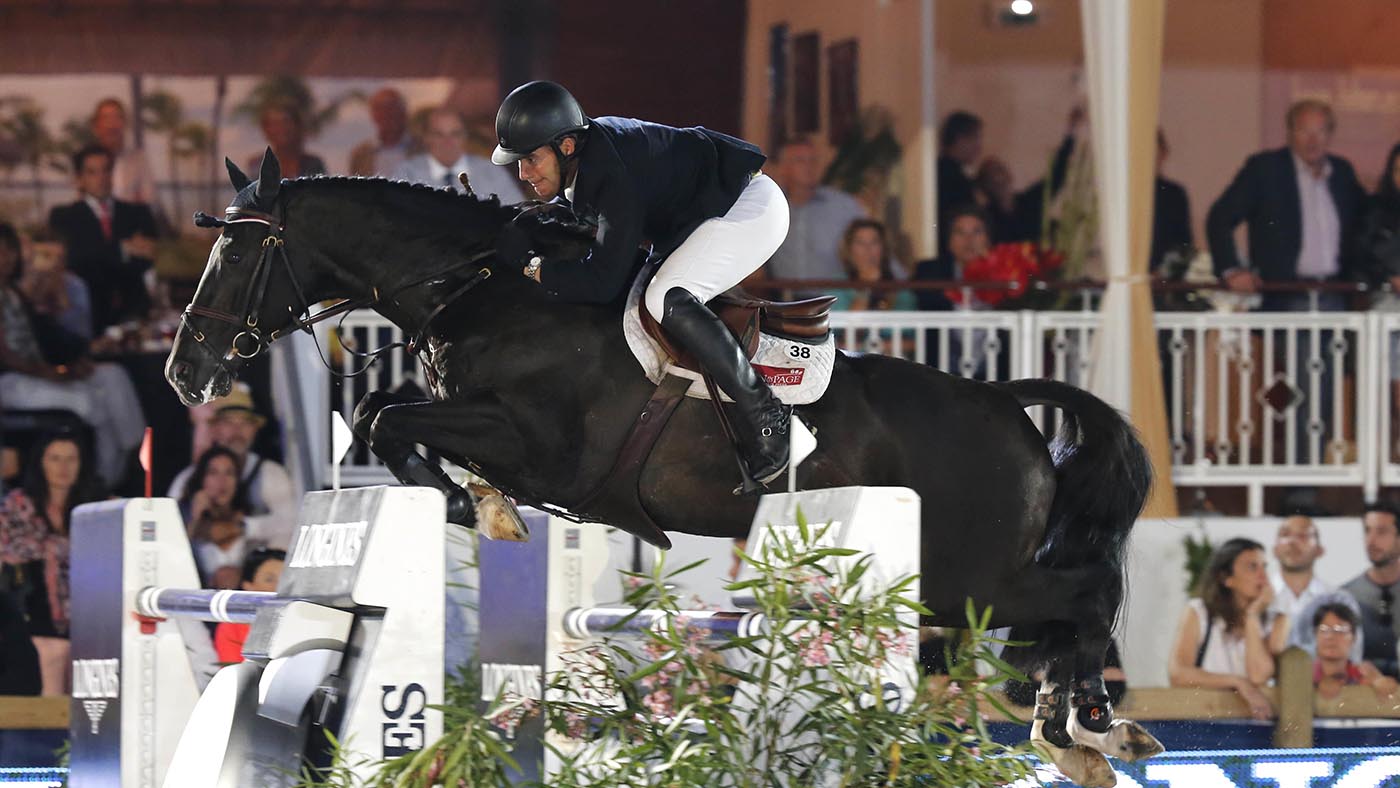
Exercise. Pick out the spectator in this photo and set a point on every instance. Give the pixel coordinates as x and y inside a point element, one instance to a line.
<point>54,293</point>
<point>1380,250</point>
<point>262,571</point>
<point>1376,588</point>
<point>1302,206</point>
<point>817,218</point>
<point>284,127</point>
<point>389,148</point>
<point>969,238</point>
<point>272,503</point>
<point>1228,638</point>
<point>214,497</point>
<point>100,394</point>
<point>446,156</point>
<point>1297,549</point>
<point>1302,633</point>
<point>1171,213</point>
<point>1380,236</point>
<point>960,148</point>
<point>220,543</point>
<point>1335,627</point>
<point>1002,204</point>
<point>110,242</point>
<point>34,522</point>
<point>865,255</point>
<point>132,180</point>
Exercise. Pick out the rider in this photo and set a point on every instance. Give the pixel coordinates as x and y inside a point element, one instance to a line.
<point>698,197</point>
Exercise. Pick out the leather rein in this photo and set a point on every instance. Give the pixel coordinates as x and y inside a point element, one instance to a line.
<point>247,320</point>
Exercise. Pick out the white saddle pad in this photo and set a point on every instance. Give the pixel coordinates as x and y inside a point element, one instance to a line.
<point>797,372</point>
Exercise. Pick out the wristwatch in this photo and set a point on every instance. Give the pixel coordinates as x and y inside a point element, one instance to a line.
<point>532,268</point>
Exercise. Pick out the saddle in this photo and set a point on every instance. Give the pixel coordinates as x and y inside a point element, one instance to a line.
<point>747,316</point>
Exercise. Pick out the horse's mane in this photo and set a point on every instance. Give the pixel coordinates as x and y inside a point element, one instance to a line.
<point>445,196</point>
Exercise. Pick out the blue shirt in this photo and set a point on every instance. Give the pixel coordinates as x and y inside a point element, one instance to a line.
<point>813,244</point>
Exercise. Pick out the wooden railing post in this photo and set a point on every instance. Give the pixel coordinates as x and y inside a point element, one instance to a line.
<point>1295,700</point>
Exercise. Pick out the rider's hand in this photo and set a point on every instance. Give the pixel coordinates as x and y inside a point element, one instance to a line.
<point>514,245</point>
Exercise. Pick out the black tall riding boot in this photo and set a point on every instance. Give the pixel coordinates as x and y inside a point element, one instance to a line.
<point>763,417</point>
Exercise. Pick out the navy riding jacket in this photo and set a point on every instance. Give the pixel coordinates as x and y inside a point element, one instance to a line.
<point>644,182</point>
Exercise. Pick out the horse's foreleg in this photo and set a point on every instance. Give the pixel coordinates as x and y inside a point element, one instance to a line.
<point>396,448</point>
<point>446,428</point>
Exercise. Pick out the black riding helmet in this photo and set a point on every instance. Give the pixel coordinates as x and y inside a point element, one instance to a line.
<point>535,114</point>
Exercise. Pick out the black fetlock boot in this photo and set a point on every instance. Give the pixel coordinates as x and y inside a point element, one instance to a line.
<point>414,470</point>
<point>764,417</point>
<point>1052,710</point>
<point>1092,708</point>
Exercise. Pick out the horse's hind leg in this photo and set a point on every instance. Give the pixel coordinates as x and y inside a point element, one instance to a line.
<point>1083,765</point>
<point>1091,722</point>
<point>402,460</point>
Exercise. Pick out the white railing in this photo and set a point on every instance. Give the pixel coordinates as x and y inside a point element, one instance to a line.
<point>1253,400</point>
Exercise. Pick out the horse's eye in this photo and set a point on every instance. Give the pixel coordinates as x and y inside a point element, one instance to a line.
<point>234,257</point>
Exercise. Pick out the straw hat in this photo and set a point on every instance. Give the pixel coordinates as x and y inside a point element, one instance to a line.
<point>238,402</point>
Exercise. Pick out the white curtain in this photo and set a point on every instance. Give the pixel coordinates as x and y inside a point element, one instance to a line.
<point>1123,54</point>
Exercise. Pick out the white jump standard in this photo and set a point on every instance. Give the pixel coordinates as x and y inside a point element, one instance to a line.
<point>352,642</point>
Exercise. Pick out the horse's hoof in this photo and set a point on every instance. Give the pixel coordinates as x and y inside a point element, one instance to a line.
<point>1083,766</point>
<point>1125,740</point>
<point>497,518</point>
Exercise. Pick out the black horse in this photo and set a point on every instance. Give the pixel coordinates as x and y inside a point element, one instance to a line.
<point>538,397</point>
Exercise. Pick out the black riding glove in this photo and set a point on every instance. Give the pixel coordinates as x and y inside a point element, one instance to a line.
<point>514,245</point>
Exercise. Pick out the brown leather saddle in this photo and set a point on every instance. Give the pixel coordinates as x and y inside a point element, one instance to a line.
<point>617,499</point>
<point>807,320</point>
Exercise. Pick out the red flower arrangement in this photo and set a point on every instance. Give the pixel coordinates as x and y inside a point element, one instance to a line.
<point>1009,262</point>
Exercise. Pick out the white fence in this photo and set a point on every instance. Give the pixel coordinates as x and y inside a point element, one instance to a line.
<point>1253,400</point>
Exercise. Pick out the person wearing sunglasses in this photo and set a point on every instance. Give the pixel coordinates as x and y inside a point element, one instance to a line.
<point>1376,588</point>
<point>1335,626</point>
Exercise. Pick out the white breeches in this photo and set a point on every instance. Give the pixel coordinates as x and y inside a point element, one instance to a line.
<point>724,250</point>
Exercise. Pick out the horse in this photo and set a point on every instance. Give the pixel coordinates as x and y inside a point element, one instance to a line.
<point>538,396</point>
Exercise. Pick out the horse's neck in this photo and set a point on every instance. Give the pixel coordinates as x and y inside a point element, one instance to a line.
<point>398,274</point>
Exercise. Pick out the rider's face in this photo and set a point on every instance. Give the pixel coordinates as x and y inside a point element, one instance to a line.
<point>542,171</point>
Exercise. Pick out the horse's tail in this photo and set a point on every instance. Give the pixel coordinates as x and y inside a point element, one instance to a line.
<point>1102,475</point>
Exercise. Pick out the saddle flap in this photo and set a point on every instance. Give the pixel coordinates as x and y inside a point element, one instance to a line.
<point>742,321</point>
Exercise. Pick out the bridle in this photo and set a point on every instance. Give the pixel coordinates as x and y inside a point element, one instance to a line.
<point>247,319</point>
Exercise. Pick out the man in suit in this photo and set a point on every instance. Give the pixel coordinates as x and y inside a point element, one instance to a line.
<point>110,242</point>
<point>446,144</point>
<point>1302,206</point>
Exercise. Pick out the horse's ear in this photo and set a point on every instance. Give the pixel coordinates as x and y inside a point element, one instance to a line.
<point>270,179</point>
<point>236,176</point>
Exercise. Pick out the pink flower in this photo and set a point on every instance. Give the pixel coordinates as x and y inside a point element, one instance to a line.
<point>658,702</point>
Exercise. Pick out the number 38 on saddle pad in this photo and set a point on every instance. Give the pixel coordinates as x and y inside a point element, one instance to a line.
<point>797,369</point>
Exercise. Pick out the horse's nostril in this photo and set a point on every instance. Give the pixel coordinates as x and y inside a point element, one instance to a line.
<point>181,370</point>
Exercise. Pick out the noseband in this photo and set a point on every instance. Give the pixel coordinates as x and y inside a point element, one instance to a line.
<point>250,341</point>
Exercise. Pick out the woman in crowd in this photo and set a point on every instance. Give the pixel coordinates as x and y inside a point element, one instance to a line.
<point>1228,638</point>
<point>969,238</point>
<point>34,523</point>
<point>284,126</point>
<point>214,504</point>
<point>100,394</point>
<point>1335,626</point>
<point>262,571</point>
<point>865,253</point>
